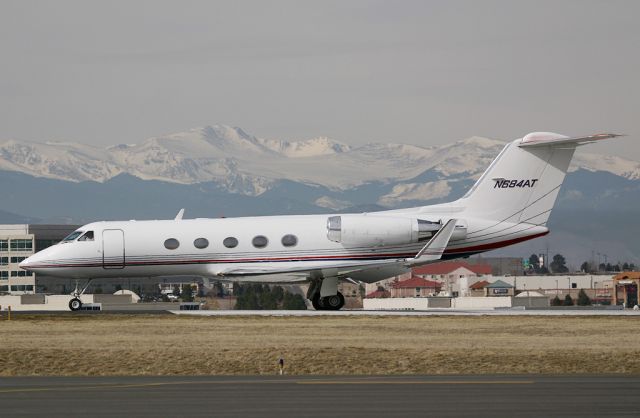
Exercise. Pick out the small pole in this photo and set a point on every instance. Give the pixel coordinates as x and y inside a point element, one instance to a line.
<point>9,313</point>
<point>281,365</point>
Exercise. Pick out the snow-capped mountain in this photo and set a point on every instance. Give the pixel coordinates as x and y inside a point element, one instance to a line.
<point>242,163</point>
<point>223,171</point>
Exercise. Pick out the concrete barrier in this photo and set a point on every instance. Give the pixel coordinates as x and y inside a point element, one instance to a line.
<point>408,304</point>
<point>470,302</point>
<point>51,302</point>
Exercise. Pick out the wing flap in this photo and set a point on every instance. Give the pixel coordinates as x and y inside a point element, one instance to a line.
<point>434,249</point>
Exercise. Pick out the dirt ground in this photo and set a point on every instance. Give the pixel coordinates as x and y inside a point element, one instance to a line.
<point>94,344</point>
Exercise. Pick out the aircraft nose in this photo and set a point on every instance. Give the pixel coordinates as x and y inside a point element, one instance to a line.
<point>30,262</point>
<point>24,264</point>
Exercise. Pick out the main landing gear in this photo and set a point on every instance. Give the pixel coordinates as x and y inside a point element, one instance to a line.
<point>75,304</point>
<point>331,302</point>
<point>328,303</point>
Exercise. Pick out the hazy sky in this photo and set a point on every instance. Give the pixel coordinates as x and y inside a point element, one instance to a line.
<point>417,72</point>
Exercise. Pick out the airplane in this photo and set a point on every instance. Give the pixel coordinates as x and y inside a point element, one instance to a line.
<point>510,203</point>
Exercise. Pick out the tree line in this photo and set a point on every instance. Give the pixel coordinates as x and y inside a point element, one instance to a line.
<point>255,296</point>
<point>558,264</point>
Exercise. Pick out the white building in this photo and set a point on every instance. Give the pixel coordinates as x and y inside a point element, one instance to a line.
<point>559,282</point>
<point>16,244</point>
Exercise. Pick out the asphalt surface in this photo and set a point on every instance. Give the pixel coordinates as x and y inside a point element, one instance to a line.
<point>430,312</point>
<point>290,396</point>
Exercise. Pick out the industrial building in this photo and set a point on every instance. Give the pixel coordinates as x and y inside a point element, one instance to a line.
<point>18,242</point>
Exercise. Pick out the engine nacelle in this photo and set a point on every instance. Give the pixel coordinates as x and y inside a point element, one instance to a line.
<point>372,230</point>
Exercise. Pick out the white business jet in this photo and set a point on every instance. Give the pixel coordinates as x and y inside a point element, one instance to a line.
<point>510,203</point>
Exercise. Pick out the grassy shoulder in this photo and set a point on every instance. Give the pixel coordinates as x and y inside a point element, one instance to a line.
<point>175,345</point>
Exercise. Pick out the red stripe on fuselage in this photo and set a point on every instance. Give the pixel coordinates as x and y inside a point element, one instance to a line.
<point>477,248</point>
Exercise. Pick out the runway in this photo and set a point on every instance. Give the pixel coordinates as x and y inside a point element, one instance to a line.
<point>280,396</point>
<point>431,312</point>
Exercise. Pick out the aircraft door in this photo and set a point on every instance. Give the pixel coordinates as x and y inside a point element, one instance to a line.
<point>113,249</point>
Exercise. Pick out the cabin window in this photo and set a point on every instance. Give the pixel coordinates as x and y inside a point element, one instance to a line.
<point>171,244</point>
<point>88,236</point>
<point>72,236</point>
<point>230,242</point>
<point>260,241</point>
<point>289,240</point>
<point>201,243</point>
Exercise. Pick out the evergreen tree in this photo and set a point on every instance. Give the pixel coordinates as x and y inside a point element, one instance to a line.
<point>556,301</point>
<point>558,264</point>
<point>567,301</point>
<point>293,302</point>
<point>585,267</point>
<point>533,262</point>
<point>257,297</point>
<point>625,266</point>
<point>187,293</point>
<point>583,299</point>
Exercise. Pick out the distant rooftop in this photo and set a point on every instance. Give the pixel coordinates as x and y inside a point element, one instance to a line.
<point>450,266</point>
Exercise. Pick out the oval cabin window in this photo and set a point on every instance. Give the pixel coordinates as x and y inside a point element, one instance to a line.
<point>260,241</point>
<point>201,243</point>
<point>171,244</point>
<point>289,240</point>
<point>230,242</point>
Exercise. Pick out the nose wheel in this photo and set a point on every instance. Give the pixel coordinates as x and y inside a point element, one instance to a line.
<point>75,304</point>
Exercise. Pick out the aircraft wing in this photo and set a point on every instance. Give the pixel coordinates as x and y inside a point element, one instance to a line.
<point>304,272</point>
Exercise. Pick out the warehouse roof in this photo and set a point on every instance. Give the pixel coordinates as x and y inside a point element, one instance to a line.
<point>449,266</point>
<point>416,282</point>
<point>499,284</point>
<point>625,275</point>
<point>479,285</point>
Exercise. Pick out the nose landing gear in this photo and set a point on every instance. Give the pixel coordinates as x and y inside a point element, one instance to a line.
<point>75,304</point>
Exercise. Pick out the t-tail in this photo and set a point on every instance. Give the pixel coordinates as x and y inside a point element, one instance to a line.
<point>521,185</point>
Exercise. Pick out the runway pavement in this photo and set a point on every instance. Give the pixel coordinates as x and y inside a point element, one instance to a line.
<point>430,312</point>
<point>291,396</point>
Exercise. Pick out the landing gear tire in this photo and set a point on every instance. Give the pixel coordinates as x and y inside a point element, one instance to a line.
<point>328,303</point>
<point>333,302</point>
<point>317,302</point>
<point>75,304</point>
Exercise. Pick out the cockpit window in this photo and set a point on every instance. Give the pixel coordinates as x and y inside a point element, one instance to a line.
<point>88,236</point>
<point>72,236</point>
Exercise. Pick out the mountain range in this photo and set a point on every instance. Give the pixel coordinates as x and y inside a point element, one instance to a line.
<point>224,171</point>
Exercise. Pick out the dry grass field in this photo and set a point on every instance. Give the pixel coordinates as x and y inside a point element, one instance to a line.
<point>175,345</point>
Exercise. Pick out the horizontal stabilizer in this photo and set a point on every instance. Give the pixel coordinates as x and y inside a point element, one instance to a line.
<point>435,247</point>
<point>545,139</point>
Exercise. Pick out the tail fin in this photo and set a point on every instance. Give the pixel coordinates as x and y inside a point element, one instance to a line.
<point>522,183</point>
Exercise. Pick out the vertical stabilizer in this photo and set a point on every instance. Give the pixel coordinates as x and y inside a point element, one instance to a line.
<point>522,183</point>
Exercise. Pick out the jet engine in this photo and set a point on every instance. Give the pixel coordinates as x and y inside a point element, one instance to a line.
<point>366,230</point>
